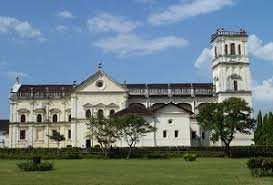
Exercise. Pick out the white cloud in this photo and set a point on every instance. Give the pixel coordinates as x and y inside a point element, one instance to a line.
<point>263,92</point>
<point>260,50</point>
<point>204,59</point>
<point>6,71</point>
<point>182,11</point>
<point>105,22</point>
<point>14,74</point>
<point>68,29</point>
<point>145,1</point>
<point>23,29</point>
<point>65,14</point>
<point>130,44</point>
<point>61,28</point>
<point>203,62</point>
<point>3,65</point>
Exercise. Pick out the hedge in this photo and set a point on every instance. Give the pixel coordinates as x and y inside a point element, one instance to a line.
<point>141,152</point>
<point>29,166</point>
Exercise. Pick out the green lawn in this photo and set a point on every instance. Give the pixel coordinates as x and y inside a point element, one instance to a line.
<point>208,171</point>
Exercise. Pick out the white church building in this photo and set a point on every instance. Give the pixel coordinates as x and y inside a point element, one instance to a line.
<point>37,111</point>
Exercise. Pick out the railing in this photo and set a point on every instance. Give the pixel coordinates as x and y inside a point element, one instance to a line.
<point>170,92</point>
<point>222,32</point>
<point>40,95</point>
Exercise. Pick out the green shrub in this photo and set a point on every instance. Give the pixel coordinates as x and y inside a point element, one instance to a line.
<point>260,166</point>
<point>70,156</point>
<point>190,157</point>
<point>157,156</point>
<point>29,166</point>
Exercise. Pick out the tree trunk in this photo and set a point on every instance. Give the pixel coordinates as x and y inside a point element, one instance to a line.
<point>105,153</point>
<point>58,150</point>
<point>227,149</point>
<point>129,152</point>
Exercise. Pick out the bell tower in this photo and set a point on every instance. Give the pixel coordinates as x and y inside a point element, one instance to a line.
<point>230,65</point>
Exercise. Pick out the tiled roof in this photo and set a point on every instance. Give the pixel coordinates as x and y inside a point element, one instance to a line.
<point>45,88</point>
<point>135,109</point>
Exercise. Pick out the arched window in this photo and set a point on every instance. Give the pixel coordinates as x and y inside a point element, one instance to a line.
<point>23,118</point>
<point>55,118</point>
<point>232,49</point>
<point>112,112</point>
<point>215,52</point>
<point>100,113</point>
<point>69,118</point>
<point>39,118</point>
<point>235,85</point>
<point>239,49</point>
<point>88,114</point>
<point>226,49</point>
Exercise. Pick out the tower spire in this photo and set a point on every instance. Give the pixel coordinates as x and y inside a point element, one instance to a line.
<point>17,80</point>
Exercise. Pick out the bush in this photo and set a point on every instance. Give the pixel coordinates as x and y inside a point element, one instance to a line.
<point>157,156</point>
<point>29,166</point>
<point>190,157</point>
<point>260,166</point>
<point>70,156</point>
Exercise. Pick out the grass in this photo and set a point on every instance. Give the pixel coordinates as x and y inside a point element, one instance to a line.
<point>204,171</point>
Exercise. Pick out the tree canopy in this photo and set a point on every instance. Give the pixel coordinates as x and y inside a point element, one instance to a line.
<point>225,119</point>
<point>104,130</point>
<point>133,127</point>
<point>263,134</point>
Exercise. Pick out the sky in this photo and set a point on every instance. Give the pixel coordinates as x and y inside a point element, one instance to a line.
<point>140,41</point>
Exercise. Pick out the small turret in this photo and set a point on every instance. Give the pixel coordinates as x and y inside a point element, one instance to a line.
<point>16,86</point>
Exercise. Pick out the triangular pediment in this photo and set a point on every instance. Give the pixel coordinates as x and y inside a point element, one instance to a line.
<point>100,82</point>
<point>87,105</point>
<point>172,108</point>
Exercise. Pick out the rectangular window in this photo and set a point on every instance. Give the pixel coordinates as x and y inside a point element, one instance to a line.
<point>232,49</point>
<point>226,49</point>
<point>203,135</point>
<point>193,135</point>
<point>235,85</point>
<point>69,134</point>
<point>164,133</point>
<point>239,49</point>
<point>176,133</point>
<point>54,131</point>
<point>22,134</point>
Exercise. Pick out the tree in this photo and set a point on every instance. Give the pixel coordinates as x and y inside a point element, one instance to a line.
<point>265,127</point>
<point>104,130</point>
<point>225,119</point>
<point>258,134</point>
<point>56,136</point>
<point>269,129</point>
<point>133,127</point>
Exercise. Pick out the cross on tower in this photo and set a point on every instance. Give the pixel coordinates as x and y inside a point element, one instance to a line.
<point>100,66</point>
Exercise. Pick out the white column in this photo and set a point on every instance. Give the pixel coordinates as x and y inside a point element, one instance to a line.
<point>14,135</point>
<point>30,135</point>
<point>46,133</point>
<point>10,136</point>
<point>11,111</point>
<point>64,113</point>
<point>47,112</point>
<point>74,122</point>
<point>74,134</point>
<point>31,114</point>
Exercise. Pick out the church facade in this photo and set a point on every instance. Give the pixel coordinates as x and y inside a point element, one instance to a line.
<point>37,111</point>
